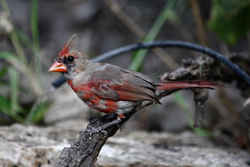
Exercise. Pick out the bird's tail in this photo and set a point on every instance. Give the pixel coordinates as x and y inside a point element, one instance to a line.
<point>177,85</point>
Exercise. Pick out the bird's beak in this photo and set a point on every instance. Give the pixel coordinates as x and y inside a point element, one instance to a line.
<point>58,67</point>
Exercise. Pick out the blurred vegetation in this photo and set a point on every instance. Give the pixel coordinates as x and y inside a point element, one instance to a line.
<point>230,19</point>
<point>22,66</point>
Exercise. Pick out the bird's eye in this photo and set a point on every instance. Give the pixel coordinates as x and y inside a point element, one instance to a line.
<point>58,59</point>
<point>70,59</point>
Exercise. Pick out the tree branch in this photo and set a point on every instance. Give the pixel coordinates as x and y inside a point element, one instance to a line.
<point>84,152</point>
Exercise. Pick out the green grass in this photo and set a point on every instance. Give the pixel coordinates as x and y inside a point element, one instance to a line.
<point>14,82</point>
<point>38,111</point>
<point>10,105</point>
<point>34,24</point>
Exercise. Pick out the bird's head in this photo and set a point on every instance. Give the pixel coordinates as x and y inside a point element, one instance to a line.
<point>69,60</point>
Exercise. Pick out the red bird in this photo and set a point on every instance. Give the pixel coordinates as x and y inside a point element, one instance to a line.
<point>109,88</point>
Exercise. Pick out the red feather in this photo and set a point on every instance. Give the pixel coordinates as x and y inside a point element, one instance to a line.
<point>67,46</point>
<point>185,84</point>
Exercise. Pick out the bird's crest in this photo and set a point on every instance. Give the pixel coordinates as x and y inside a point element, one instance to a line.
<point>68,46</point>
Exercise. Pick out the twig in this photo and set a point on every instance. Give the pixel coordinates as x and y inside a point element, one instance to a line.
<point>128,22</point>
<point>199,23</point>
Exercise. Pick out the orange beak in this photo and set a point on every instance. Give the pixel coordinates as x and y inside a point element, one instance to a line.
<point>58,67</point>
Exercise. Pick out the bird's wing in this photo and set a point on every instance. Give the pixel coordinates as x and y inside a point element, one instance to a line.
<point>115,83</point>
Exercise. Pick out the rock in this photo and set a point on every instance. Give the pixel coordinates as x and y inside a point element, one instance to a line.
<point>30,146</point>
<point>165,150</point>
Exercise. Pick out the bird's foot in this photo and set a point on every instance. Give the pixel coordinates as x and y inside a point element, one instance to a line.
<point>104,127</point>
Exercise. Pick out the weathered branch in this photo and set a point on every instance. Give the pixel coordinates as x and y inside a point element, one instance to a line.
<point>84,152</point>
<point>204,68</point>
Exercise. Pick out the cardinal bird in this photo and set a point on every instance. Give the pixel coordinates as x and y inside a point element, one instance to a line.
<point>109,88</point>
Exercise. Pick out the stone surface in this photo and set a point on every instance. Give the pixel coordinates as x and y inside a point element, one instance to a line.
<point>29,146</point>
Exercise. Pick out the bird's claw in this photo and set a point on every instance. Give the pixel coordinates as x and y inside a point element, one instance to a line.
<point>103,128</point>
